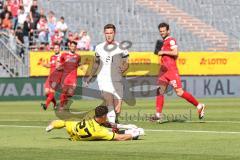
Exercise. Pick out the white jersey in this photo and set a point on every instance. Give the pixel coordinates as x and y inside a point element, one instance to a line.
<point>110,62</point>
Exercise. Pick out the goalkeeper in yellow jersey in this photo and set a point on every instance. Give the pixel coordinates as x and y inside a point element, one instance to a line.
<point>96,128</point>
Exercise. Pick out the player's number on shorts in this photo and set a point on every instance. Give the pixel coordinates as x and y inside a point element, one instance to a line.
<point>81,126</point>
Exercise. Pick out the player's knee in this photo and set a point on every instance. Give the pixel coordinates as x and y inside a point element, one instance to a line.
<point>46,92</point>
<point>70,93</point>
<point>118,110</point>
<point>159,91</point>
<point>179,92</point>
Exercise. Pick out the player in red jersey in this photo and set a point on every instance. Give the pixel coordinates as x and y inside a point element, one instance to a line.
<point>54,78</point>
<point>69,62</point>
<point>169,75</point>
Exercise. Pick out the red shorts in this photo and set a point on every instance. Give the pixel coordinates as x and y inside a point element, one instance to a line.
<point>53,80</point>
<point>51,84</point>
<point>171,77</point>
<point>69,80</point>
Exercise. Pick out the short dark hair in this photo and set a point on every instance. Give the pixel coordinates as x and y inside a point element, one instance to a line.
<point>161,25</point>
<point>57,44</point>
<point>108,26</point>
<point>73,42</point>
<point>19,27</point>
<point>101,111</point>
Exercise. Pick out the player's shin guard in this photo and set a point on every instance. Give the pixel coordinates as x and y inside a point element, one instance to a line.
<point>111,115</point>
<point>190,98</point>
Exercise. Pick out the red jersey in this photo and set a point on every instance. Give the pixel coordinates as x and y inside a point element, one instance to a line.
<point>70,63</point>
<point>169,61</point>
<point>53,61</point>
<point>55,76</point>
<point>14,8</point>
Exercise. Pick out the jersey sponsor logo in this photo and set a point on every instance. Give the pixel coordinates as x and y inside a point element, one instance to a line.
<point>172,43</point>
<point>71,59</point>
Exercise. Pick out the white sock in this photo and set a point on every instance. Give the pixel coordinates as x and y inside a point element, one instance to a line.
<point>158,114</point>
<point>199,106</point>
<point>111,115</point>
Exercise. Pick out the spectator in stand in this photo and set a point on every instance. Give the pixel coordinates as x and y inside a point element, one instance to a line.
<point>42,13</point>
<point>0,23</point>
<point>21,16</point>
<point>1,5</point>
<point>51,17</point>
<point>42,28</point>
<point>20,40</point>
<point>51,26</point>
<point>62,27</point>
<point>70,38</point>
<point>34,15</point>
<point>76,37</point>
<point>84,41</point>
<point>27,5</point>
<point>26,31</point>
<point>19,35</point>
<point>7,23</point>
<point>44,47</point>
<point>12,41</point>
<point>6,9</point>
<point>57,38</point>
<point>14,4</point>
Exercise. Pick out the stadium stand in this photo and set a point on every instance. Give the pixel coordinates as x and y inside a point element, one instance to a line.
<point>198,25</point>
<point>137,20</point>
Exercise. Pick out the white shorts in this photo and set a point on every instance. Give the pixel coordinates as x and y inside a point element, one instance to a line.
<point>115,88</point>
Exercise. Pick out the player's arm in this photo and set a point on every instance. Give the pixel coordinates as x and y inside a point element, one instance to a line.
<point>122,137</point>
<point>173,52</point>
<point>119,126</point>
<point>129,134</point>
<point>59,63</point>
<point>46,65</point>
<point>124,66</point>
<point>94,68</point>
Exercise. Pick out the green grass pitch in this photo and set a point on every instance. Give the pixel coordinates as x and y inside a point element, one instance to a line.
<point>181,137</point>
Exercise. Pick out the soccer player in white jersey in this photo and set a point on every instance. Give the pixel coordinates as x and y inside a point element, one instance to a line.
<point>111,63</point>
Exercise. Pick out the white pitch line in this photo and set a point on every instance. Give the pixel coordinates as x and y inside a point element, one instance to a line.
<point>191,131</point>
<point>148,130</point>
<point>20,120</point>
<point>237,122</point>
<point>18,126</point>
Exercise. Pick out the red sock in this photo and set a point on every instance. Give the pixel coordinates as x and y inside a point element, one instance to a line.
<point>190,98</point>
<point>159,103</point>
<point>50,97</point>
<point>54,101</point>
<point>63,99</point>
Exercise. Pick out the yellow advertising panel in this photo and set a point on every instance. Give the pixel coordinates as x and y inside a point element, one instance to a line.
<point>147,64</point>
<point>141,63</point>
<point>209,63</point>
<point>38,58</point>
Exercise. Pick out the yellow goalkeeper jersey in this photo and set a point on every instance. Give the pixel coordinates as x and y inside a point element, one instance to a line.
<point>87,130</point>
